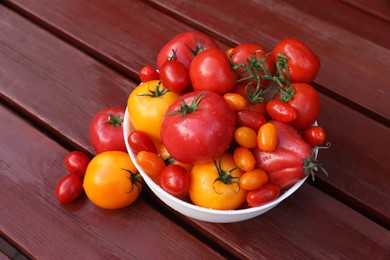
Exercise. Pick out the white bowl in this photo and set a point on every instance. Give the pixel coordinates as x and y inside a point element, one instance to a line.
<point>196,212</point>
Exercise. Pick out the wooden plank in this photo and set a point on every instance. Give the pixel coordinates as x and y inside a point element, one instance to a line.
<point>380,8</point>
<point>106,88</point>
<point>31,164</point>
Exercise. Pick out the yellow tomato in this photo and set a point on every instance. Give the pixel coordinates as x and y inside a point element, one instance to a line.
<point>147,105</point>
<point>216,185</point>
<point>111,180</point>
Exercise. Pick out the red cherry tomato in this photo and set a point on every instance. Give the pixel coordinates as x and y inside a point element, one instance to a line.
<point>175,180</point>
<point>69,188</point>
<point>140,141</point>
<point>106,130</point>
<point>315,135</point>
<point>250,119</point>
<point>211,70</point>
<point>280,111</point>
<point>303,64</point>
<point>174,76</point>
<point>148,73</point>
<point>266,193</point>
<point>76,162</point>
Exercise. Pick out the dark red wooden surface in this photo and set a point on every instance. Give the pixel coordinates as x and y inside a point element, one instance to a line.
<point>62,61</point>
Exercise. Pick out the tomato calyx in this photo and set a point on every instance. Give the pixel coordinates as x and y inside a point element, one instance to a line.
<point>157,92</point>
<point>114,120</point>
<point>225,177</point>
<point>311,166</point>
<point>135,179</point>
<point>198,48</point>
<point>188,109</point>
<point>254,96</point>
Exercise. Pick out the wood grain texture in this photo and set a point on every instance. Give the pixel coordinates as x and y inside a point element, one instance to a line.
<point>380,8</point>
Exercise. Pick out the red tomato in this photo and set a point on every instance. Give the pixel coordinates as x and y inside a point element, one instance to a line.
<point>148,73</point>
<point>315,135</point>
<point>76,162</point>
<point>140,141</point>
<point>69,188</point>
<point>266,193</point>
<point>185,46</point>
<point>284,165</point>
<point>280,111</point>
<point>303,64</point>
<point>175,180</point>
<point>211,70</point>
<point>174,76</point>
<point>247,54</point>
<point>199,127</point>
<point>250,119</point>
<point>106,130</point>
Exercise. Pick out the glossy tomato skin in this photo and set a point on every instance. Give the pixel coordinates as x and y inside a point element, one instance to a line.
<point>175,180</point>
<point>201,135</point>
<point>69,188</point>
<point>184,44</point>
<point>174,76</point>
<point>303,63</point>
<point>250,119</point>
<point>106,130</point>
<point>148,73</point>
<point>242,52</point>
<point>112,181</point>
<point>266,193</point>
<point>284,165</point>
<point>211,70</point>
<point>147,111</point>
<point>76,162</point>
<point>306,102</point>
<point>281,111</point>
<point>315,135</point>
<point>140,141</point>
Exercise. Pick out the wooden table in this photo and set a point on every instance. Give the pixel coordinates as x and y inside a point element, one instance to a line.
<point>63,61</point>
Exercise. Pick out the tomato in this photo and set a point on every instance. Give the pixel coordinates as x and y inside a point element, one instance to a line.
<point>267,137</point>
<point>147,105</point>
<point>148,73</point>
<point>211,70</point>
<point>151,163</point>
<point>175,180</point>
<point>76,162</point>
<point>112,181</point>
<point>236,101</point>
<point>281,111</point>
<point>215,185</point>
<point>140,141</point>
<point>266,193</point>
<point>246,137</point>
<point>253,179</point>
<point>254,98</point>
<point>106,130</point>
<point>244,158</point>
<point>184,46</point>
<point>285,165</point>
<point>315,135</point>
<point>307,105</point>
<point>250,119</point>
<point>69,188</point>
<point>250,59</point>
<point>174,76</point>
<point>199,127</point>
<point>168,159</point>
<point>303,64</point>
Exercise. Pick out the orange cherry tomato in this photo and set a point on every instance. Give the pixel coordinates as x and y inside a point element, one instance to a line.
<point>246,137</point>
<point>151,163</point>
<point>244,158</point>
<point>236,101</point>
<point>267,137</point>
<point>254,179</point>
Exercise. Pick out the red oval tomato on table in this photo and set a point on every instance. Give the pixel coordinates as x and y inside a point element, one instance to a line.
<point>202,133</point>
<point>69,188</point>
<point>76,162</point>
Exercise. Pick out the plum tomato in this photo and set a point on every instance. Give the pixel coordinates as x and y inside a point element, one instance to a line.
<point>280,111</point>
<point>253,179</point>
<point>267,137</point>
<point>244,158</point>
<point>245,136</point>
<point>250,119</point>
<point>266,193</point>
<point>175,180</point>
<point>198,127</point>
<point>106,130</point>
<point>174,76</point>
<point>236,101</point>
<point>140,141</point>
<point>76,162</point>
<point>148,73</point>
<point>151,164</point>
<point>69,188</point>
<point>315,135</point>
<point>211,70</point>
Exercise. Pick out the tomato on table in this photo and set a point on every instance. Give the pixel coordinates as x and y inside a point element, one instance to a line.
<point>69,188</point>
<point>76,162</point>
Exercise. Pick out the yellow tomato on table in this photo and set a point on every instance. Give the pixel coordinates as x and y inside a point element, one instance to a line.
<point>147,105</point>
<point>112,181</point>
<point>215,185</point>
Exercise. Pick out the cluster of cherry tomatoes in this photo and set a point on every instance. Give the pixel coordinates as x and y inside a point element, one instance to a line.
<point>227,129</point>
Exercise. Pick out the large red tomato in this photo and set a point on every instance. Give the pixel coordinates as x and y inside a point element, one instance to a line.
<point>199,127</point>
<point>185,45</point>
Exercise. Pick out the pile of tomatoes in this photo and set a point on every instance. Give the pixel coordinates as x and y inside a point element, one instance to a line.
<point>227,130</point>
